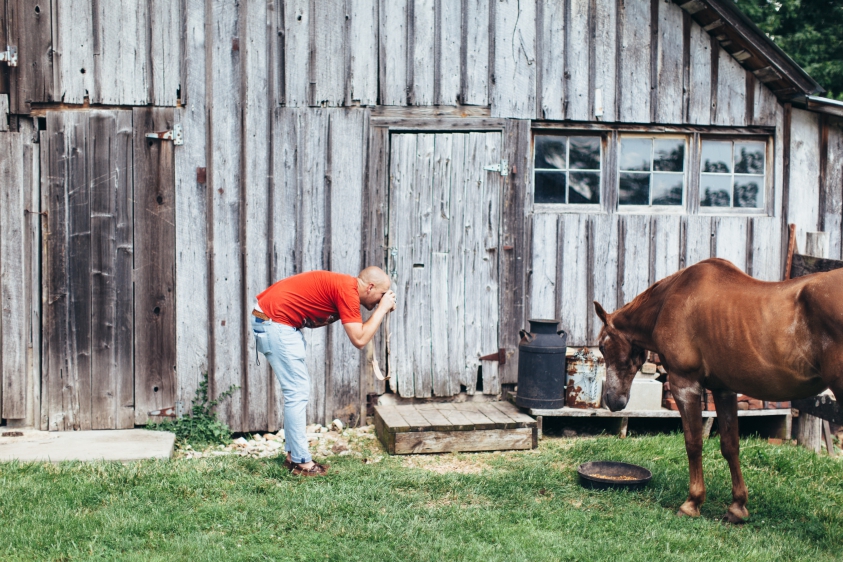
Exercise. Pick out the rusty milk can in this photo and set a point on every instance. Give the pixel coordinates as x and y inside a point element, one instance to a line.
<point>586,372</point>
<point>541,366</point>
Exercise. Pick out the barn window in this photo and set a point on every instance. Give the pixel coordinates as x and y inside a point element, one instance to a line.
<point>567,169</point>
<point>652,171</point>
<point>732,173</point>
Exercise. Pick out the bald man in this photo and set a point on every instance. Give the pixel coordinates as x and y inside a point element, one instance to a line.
<point>312,300</point>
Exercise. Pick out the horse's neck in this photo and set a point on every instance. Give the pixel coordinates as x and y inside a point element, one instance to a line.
<point>638,318</point>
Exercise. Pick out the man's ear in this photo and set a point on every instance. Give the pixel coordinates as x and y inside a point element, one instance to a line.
<point>602,314</point>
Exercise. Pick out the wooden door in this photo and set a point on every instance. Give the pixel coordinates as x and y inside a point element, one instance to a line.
<point>107,193</point>
<point>444,216</point>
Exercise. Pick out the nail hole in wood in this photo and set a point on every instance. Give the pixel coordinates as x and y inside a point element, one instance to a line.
<point>160,200</point>
<point>82,70</point>
<point>37,9</point>
<point>154,389</point>
<point>298,17</point>
<point>156,310</point>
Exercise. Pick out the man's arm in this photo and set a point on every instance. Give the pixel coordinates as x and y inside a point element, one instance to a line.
<point>361,333</point>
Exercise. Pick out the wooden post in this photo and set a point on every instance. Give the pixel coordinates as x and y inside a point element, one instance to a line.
<point>809,429</point>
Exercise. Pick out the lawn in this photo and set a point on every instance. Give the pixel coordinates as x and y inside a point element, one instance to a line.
<point>491,506</point>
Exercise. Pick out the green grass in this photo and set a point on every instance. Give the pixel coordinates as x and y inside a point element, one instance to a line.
<point>522,506</point>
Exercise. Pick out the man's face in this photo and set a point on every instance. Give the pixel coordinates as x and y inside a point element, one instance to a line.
<point>373,294</point>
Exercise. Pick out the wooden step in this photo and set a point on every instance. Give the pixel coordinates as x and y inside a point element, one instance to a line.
<point>450,427</point>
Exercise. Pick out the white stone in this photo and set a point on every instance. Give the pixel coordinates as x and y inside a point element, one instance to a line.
<point>241,442</point>
<point>337,425</point>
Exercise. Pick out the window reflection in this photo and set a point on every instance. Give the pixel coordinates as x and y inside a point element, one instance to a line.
<point>567,169</point>
<point>585,153</point>
<point>659,166</point>
<point>667,189</point>
<point>634,189</point>
<point>749,157</point>
<point>732,173</point>
<point>583,187</point>
<point>715,191</point>
<point>550,152</point>
<point>669,155</point>
<point>747,191</point>
<point>636,154</point>
<point>717,157</point>
<point>550,187</point>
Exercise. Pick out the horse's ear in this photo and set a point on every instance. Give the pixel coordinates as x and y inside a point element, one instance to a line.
<point>602,314</point>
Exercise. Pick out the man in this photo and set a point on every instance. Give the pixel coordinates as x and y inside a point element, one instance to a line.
<point>312,300</point>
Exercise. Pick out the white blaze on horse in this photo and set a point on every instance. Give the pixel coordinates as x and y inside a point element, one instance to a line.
<point>716,328</point>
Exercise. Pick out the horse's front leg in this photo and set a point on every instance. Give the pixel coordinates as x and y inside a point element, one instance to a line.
<point>726,403</point>
<point>688,396</point>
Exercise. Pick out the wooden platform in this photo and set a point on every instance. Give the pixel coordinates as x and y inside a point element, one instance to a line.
<point>451,427</point>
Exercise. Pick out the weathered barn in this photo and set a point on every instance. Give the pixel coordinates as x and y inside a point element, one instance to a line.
<point>502,159</point>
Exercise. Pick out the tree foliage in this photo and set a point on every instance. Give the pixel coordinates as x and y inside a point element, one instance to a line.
<point>810,31</point>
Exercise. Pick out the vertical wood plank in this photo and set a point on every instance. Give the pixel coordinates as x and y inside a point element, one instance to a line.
<point>573,293</point>
<point>32,271</point>
<point>296,52</point>
<point>698,239</point>
<point>13,319</point>
<point>635,271</point>
<point>346,159</point>
<point>154,250</point>
<point>606,56</point>
<point>422,223</point>
<point>363,42</point>
<point>804,194</point>
<point>543,278</point>
<point>578,46</point>
<point>111,161</point>
<point>699,107</point>
<point>766,248</point>
<point>256,162</point>
<point>193,329</point>
<point>121,65</point>
<point>164,24</point>
<point>476,36</point>
<point>440,261</point>
<point>393,52</point>
<point>449,46</point>
<point>457,252</point>
<point>74,50</point>
<point>731,92</point>
<point>312,238</point>
<point>832,211</point>
<point>421,65</point>
<point>490,245</point>
<point>731,240</point>
<point>513,90</point>
<point>30,30</point>
<point>225,109</point>
<point>670,72</point>
<point>551,52</point>
<point>330,71</point>
<point>766,105</point>
<point>666,246</point>
<point>604,273</point>
<point>633,93</point>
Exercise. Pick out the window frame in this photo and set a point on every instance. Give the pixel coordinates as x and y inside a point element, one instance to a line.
<point>585,208</point>
<point>654,209</point>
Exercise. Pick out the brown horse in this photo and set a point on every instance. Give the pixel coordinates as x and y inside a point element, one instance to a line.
<point>716,328</point>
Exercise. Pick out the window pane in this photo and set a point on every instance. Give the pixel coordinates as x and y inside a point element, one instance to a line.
<point>550,187</point>
<point>667,189</point>
<point>669,155</point>
<point>635,154</point>
<point>583,187</point>
<point>550,152</point>
<point>634,189</point>
<point>749,157</point>
<point>748,191</point>
<point>585,153</point>
<point>715,191</point>
<point>717,156</point>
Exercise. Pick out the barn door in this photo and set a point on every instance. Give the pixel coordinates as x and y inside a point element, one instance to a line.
<point>107,269</point>
<point>444,216</point>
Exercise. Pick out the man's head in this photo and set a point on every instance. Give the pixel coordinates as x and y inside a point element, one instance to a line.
<point>372,284</point>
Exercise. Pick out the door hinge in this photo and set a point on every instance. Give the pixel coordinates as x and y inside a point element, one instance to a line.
<point>502,168</point>
<point>10,55</point>
<point>175,135</point>
<point>500,356</point>
<point>176,411</point>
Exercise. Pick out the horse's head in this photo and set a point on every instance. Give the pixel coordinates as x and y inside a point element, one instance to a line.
<point>623,359</point>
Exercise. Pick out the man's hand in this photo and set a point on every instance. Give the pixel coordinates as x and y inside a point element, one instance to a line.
<point>388,301</point>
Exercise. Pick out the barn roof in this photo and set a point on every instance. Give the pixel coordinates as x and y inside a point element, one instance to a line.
<point>752,48</point>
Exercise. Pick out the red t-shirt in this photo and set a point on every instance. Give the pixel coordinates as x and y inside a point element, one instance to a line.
<point>312,300</point>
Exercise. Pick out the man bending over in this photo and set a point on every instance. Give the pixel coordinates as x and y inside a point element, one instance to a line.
<point>312,300</point>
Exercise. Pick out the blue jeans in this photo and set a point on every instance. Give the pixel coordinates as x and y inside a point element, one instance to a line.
<point>284,347</point>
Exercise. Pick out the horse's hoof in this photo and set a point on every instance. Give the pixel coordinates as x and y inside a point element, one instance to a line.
<point>736,515</point>
<point>688,510</point>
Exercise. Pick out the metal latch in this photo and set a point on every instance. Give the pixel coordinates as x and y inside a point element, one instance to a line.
<point>176,411</point>
<point>502,168</point>
<point>10,55</point>
<point>175,135</point>
<point>500,356</point>
<point>393,254</point>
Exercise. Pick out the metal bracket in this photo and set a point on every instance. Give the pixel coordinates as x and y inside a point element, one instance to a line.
<point>176,135</point>
<point>393,253</point>
<point>10,55</point>
<point>502,168</point>
<point>176,411</point>
<point>500,356</point>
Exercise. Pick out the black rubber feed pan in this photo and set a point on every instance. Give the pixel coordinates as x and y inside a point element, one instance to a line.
<point>601,475</point>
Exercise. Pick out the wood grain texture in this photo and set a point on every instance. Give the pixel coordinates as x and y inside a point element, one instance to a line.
<point>574,306</point>
<point>440,265</point>
<point>765,105</point>
<point>327,32</point>
<point>513,90</point>
<point>490,244</point>
<point>665,231</point>
<point>671,86</point>
<point>112,254</point>
<point>74,50</point>
<point>347,158</point>
<point>698,239</point>
<point>457,254</point>
<point>421,64</point>
<point>578,47</point>
<point>164,24</point>
<point>29,30</point>
<point>225,125</point>
<point>453,441</point>
<point>155,258</point>
<point>731,92</point>
<point>421,291</point>
<point>543,279</point>
<point>803,196</point>
<point>766,248</point>
<point>363,43</point>
<point>448,27</point>
<point>731,239</point>
<point>474,56</point>
<point>634,274</point>
<point>296,29</point>
<point>551,49</point>
<point>633,94</point>
<point>832,209</point>
<point>256,162</point>
<point>393,52</point>
<point>33,279</point>
<point>193,329</point>
<point>605,56</point>
<point>699,107</point>
<point>121,62</point>
<point>604,270</point>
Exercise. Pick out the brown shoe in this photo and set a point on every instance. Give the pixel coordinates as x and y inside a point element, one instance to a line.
<point>315,470</point>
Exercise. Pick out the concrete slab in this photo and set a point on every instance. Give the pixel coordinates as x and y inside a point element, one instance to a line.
<point>122,445</point>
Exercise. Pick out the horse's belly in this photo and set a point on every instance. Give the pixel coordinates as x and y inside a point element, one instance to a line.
<point>775,385</point>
